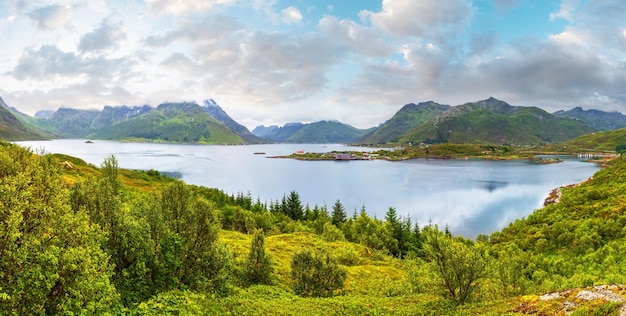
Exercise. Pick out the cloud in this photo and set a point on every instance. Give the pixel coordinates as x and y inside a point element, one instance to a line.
<point>566,10</point>
<point>291,15</point>
<point>105,36</point>
<point>431,19</point>
<point>48,62</point>
<point>358,39</point>
<point>208,28</point>
<point>92,94</point>
<point>50,17</point>
<point>481,43</point>
<point>277,67</point>
<point>182,7</point>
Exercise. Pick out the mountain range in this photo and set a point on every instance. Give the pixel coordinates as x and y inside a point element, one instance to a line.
<point>600,120</point>
<point>489,121</point>
<point>322,132</point>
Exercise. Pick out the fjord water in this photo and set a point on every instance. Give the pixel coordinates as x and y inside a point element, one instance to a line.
<point>470,196</point>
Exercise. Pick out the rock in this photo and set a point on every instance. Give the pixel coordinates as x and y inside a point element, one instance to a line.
<point>550,296</point>
<point>568,306</point>
<point>599,292</point>
<point>553,198</point>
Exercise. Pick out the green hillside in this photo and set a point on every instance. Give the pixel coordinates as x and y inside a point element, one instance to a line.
<point>598,141</point>
<point>12,128</point>
<point>326,132</point>
<point>489,121</point>
<point>69,122</point>
<point>85,240</point>
<point>407,118</point>
<point>311,133</point>
<point>171,122</point>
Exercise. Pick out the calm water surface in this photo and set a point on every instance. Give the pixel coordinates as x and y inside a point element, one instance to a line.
<point>472,196</point>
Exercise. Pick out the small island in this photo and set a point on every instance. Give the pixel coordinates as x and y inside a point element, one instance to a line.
<point>547,160</point>
<point>427,151</point>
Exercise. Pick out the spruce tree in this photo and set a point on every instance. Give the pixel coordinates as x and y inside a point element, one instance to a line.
<point>339,214</point>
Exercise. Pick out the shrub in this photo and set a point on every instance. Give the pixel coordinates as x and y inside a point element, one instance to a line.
<point>316,275</point>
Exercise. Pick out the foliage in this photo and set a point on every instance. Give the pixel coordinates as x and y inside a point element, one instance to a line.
<point>339,214</point>
<point>610,140</point>
<point>458,265</point>
<point>258,267</point>
<point>332,233</point>
<point>50,257</point>
<point>316,275</point>
<point>75,238</point>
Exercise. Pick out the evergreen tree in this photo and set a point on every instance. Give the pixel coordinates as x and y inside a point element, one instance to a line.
<point>394,227</point>
<point>293,207</point>
<point>339,214</point>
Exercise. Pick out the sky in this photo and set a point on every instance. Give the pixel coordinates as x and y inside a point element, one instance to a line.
<point>276,61</point>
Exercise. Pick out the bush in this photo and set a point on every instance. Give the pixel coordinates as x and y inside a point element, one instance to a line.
<point>316,275</point>
<point>332,233</point>
<point>258,267</point>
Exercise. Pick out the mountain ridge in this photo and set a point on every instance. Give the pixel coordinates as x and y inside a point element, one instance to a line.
<point>489,121</point>
<point>325,131</point>
<point>12,127</point>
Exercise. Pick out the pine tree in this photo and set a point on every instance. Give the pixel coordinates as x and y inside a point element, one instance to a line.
<point>339,214</point>
<point>293,207</point>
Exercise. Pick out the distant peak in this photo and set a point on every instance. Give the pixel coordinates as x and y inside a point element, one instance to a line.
<point>211,103</point>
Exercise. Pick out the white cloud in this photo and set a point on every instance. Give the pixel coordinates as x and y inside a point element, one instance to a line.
<point>105,36</point>
<point>568,37</point>
<point>566,10</point>
<point>434,19</point>
<point>246,54</point>
<point>359,39</point>
<point>181,7</point>
<point>48,62</point>
<point>50,17</point>
<point>291,15</point>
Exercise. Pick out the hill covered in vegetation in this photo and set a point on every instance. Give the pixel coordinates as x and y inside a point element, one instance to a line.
<point>610,141</point>
<point>12,128</point>
<point>171,122</point>
<point>489,121</point>
<point>322,132</point>
<point>185,122</point>
<point>80,239</point>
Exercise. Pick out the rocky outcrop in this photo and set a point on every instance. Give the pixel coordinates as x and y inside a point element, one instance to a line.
<point>574,298</point>
<point>555,195</point>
